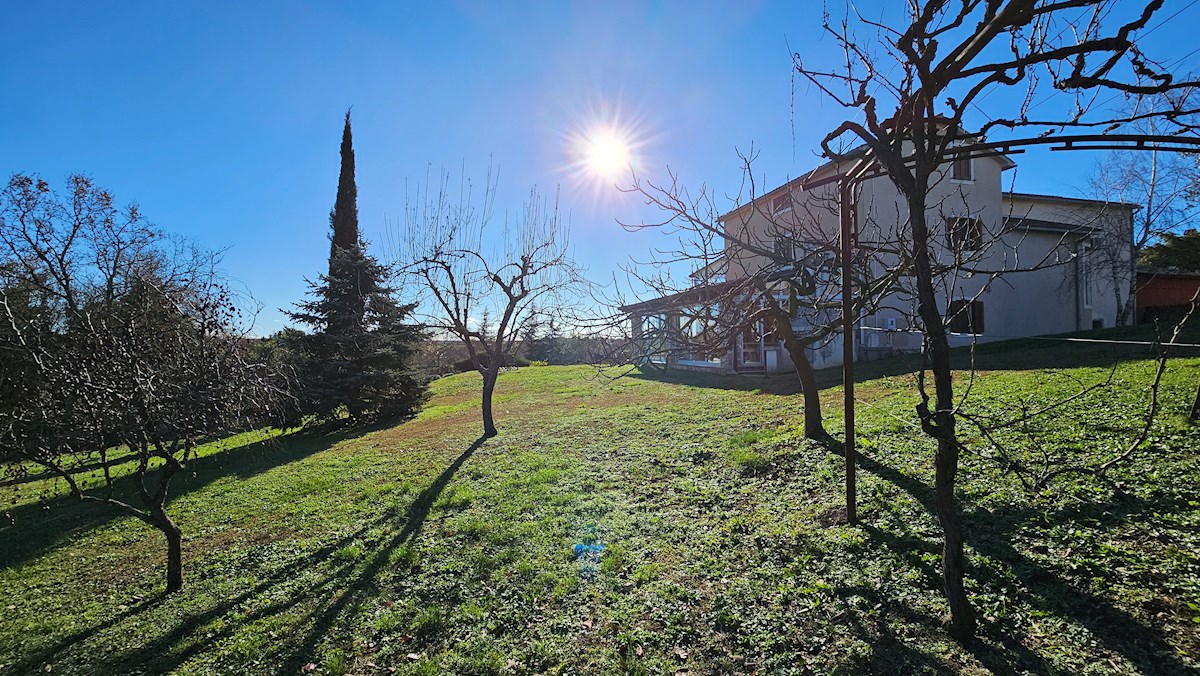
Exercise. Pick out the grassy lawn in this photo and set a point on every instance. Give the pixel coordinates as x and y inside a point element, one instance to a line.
<point>417,549</point>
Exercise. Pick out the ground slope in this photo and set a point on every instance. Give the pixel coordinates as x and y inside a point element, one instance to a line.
<point>419,549</point>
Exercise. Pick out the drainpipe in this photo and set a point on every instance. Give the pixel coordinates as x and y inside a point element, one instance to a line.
<point>1078,288</point>
<point>1133,285</point>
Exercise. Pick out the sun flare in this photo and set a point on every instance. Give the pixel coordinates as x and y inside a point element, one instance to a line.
<point>604,150</point>
<point>606,155</point>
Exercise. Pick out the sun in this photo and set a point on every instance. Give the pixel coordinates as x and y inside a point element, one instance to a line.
<point>606,155</point>
<point>603,154</point>
<point>604,148</point>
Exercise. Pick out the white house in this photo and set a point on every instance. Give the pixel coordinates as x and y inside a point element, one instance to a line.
<point>1016,265</point>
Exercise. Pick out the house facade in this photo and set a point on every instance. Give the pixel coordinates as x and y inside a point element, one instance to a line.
<point>1011,265</point>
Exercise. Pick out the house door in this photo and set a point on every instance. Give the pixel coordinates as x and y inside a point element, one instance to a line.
<point>750,345</point>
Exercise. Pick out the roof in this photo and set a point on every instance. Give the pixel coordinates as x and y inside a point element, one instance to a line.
<point>710,270</point>
<point>796,182</point>
<point>850,155</point>
<point>1015,223</point>
<point>1068,200</point>
<point>695,294</point>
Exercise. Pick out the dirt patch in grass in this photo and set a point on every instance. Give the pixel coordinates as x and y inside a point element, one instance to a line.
<point>240,537</point>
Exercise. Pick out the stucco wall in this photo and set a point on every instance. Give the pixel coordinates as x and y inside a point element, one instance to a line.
<point>1017,300</point>
<point>1072,265</point>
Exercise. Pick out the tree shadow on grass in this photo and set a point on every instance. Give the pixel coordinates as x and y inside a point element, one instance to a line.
<point>340,586</point>
<point>891,653</point>
<point>133,659</point>
<point>365,578</point>
<point>999,650</point>
<point>39,527</point>
<point>991,533</point>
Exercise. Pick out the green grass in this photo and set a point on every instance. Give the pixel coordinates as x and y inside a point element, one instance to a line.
<point>421,550</point>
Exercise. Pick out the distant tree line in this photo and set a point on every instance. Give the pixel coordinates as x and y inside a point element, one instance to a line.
<point>543,340</point>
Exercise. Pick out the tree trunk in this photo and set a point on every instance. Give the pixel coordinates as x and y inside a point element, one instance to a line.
<point>814,424</point>
<point>1125,309</point>
<point>174,535</point>
<point>489,384</point>
<point>962,616</point>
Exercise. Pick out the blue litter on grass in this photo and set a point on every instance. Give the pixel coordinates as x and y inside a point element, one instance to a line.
<point>582,549</point>
<point>588,556</point>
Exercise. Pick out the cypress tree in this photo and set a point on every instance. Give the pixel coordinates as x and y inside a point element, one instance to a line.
<point>343,219</point>
<point>360,351</point>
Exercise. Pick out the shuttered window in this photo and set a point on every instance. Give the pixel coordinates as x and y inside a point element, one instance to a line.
<point>785,249</point>
<point>966,316</point>
<point>964,234</point>
<point>961,169</point>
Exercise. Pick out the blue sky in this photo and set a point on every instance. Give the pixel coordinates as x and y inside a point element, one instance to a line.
<point>223,119</point>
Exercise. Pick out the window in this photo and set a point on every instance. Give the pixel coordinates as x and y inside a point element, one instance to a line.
<point>785,249</point>
<point>654,338</point>
<point>653,324</point>
<point>697,329</point>
<point>966,316</point>
<point>781,203</point>
<point>960,169</point>
<point>964,234</point>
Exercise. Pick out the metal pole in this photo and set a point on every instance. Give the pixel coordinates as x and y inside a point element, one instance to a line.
<point>848,347</point>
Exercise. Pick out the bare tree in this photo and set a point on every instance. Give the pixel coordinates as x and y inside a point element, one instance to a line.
<point>917,92</point>
<point>477,283</point>
<point>768,263</point>
<point>1015,440</point>
<point>132,348</point>
<point>1159,182</point>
